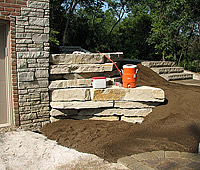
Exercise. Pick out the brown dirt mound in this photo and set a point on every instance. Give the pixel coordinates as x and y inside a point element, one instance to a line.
<point>174,125</point>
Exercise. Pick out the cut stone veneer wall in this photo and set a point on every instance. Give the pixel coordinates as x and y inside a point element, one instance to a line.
<point>72,95</point>
<point>29,35</point>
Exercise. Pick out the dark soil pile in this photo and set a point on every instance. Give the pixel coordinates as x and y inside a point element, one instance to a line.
<point>174,125</point>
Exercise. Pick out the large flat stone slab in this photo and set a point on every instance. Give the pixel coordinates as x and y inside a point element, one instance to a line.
<point>81,105</point>
<point>132,119</point>
<point>92,58</point>
<point>105,118</point>
<point>80,68</point>
<point>117,112</point>
<point>158,63</point>
<point>74,94</point>
<point>90,75</point>
<point>142,93</point>
<point>62,84</point>
<point>167,70</point>
<point>128,105</point>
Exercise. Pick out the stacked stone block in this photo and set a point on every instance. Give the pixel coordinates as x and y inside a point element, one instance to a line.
<point>72,95</point>
<point>29,52</point>
<point>32,51</point>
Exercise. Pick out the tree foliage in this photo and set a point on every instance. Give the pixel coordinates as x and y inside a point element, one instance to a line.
<point>142,29</point>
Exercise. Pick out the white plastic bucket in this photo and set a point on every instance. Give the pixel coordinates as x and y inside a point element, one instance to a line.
<point>99,82</point>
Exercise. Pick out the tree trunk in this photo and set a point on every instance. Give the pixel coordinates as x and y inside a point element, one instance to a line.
<point>197,69</point>
<point>71,10</point>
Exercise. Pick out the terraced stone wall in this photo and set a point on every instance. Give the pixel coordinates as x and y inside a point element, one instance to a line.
<point>73,97</point>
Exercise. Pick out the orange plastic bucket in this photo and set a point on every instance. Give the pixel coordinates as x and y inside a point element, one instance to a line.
<point>129,76</point>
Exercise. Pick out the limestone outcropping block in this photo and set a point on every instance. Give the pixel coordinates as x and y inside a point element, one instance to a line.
<point>166,70</point>
<point>117,112</point>
<point>132,119</point>
<point>132,104</point>
<point>106,118</point>
<point>79,94</point>
<point>142,93</point>
<point>63,84</point>
<point>90,75</point>
<point>81,104</point>
<point>81,68</point>
<point>158,63</point>
<point>177,76</point>
<point>93,58</point>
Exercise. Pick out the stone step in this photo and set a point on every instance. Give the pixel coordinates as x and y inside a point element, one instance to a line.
<point>115,93</point>
<point>158,63</point>
<point>81,104</point>
<point>177,76</point>
<point>167,70</point>
<point>81,68</point>
<point>63,84</point>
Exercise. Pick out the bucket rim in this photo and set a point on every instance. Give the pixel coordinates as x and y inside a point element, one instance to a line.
<point>129,66</point>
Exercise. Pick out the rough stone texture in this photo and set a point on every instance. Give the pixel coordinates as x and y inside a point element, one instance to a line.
<point>90,75</point>
<point>79,94</point>
<point>142,93</point>
<point>166,70</point>
<point>53,119</point>
<point>177,76</point>
<point>61,84</point>
<point>81,68</point>
<point>80,105</point>
<point>118,112</point>
<point>158,63</point>
<point>132,119</point>
<point>107,118</point>
<point>32,56</point>
<point>77,58</point>
<point>128,105</point>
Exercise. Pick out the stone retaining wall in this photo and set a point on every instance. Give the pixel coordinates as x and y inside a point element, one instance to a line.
<point>72,95</point>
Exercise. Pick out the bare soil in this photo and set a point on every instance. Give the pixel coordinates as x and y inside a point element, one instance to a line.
<point>175,125</point>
